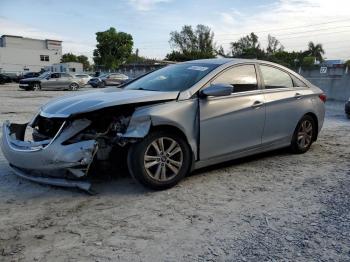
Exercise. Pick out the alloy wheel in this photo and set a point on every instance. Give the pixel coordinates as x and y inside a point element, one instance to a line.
<point>305,134</point>
<point>73,87</point>
<point>163,159</point>
<point>36,87</point>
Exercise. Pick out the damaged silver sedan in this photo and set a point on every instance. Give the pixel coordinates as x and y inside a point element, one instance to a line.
<point>167,123</point>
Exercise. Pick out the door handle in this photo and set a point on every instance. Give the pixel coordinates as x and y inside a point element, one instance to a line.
<point>257,104</point>
<point>298,96</point>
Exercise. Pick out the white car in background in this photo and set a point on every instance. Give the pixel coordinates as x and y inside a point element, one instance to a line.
<point>84,78</point>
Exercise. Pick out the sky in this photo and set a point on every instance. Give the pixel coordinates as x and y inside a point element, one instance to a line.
<point>75,22</point>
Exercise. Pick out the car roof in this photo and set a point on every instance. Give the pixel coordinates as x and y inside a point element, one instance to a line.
<point>220,61</point>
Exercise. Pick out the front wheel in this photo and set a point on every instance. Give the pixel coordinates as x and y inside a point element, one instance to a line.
<point>102,84</point>
<point>36,87</point>
<point>303,135</point>
<point>160,160</point>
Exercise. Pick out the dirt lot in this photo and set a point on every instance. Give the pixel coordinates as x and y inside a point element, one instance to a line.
<point>271,207</point>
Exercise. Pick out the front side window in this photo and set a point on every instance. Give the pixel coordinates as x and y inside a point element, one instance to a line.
<point>275,78</point>
<point>242,78</point>
<point>177,77</point>
<point>55,75</point>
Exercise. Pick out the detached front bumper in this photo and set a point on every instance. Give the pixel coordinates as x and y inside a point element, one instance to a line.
<point>50,161</point>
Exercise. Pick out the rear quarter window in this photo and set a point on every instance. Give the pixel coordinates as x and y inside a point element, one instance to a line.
<point>275,78</point>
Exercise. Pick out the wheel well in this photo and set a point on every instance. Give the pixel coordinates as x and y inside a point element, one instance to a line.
<point>170,129</point>
<point>314,117</point>
<point>177,131</point>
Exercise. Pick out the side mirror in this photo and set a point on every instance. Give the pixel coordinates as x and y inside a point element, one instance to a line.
<point>217,90</point>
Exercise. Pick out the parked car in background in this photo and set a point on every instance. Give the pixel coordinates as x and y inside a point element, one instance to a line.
<point>347,108</point>
<point>5,79</point>
<point>30,75</point>
<point>169,122</point>
<point>50,80</point>
<point>13,76</point>
<point>110,79</point>
<point>84,78</point>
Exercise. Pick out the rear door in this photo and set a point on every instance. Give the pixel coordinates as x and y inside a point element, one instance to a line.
<point>232,123</point>
<point>285,103</point>
<point>64,81</point>
<point>50,82</point>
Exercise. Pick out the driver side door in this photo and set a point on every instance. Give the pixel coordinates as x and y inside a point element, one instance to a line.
<point>234,123</point>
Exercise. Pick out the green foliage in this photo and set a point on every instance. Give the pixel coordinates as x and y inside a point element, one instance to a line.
<point>113,48</point>
<point>192,43</point>
<point>69,57</point>
<point>308,61</point>
<point>273,45</point>
<point>347,63</point>
<point>315,51</point>
<point>247,47</point>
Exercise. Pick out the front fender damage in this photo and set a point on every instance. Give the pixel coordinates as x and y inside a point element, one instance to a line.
<point>182,115</point>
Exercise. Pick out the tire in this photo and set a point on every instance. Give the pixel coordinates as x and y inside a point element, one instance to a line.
<point>36,87</point>
<point>303,136</point>
<point>150,172</point>
<point>102,84</point>
<point>73,87</point>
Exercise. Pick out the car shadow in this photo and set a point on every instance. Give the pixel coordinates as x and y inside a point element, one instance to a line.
<point>123,184</point>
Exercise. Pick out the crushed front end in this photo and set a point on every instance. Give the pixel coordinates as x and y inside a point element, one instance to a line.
<point>60,151</point>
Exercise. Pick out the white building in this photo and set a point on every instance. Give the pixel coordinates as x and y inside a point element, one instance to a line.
<point>20,54</point>
<point>69,67</point>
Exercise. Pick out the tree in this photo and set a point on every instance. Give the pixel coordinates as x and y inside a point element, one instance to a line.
<point>273,45</point>
<point>112,49</point>
<point>70,57</point>
<point>85,61</point>
<point>308,61</point>
<point>192,43</point>
<point>247,47</point>
<point>315,51</point>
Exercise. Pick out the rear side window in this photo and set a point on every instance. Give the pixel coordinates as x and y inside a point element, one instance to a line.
<point>275,78</point>
<point>297,82</point>
<point>65,75</point>
<point>242,78</point>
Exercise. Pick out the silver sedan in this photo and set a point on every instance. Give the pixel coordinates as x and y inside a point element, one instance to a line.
<point>168,123</point>
<point>49,80</point>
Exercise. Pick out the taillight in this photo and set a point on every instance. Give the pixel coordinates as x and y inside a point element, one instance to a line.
<point>323,97</point>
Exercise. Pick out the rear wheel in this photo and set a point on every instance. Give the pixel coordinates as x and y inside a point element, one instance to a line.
<point>36,87</point>
<point>303,135</point>
<point>73,87</point>
<point>160,160</point>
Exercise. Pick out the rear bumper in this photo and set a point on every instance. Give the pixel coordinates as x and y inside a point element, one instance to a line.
<point>49,161</point>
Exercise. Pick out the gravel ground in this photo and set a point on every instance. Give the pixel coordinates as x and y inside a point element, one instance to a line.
<point>271,207</point>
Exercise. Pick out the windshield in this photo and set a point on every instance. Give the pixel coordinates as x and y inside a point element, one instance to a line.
<point>44,75</point>
<point>172,78</point>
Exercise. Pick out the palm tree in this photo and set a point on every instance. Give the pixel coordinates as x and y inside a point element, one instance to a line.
<point>316,51</point>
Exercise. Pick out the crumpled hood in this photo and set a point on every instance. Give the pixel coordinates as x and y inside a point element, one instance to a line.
<point>87,101</point>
